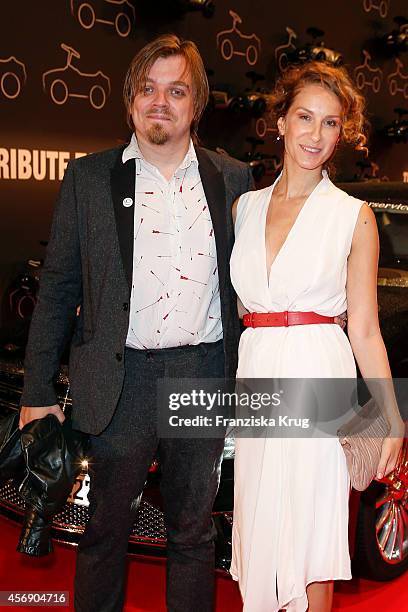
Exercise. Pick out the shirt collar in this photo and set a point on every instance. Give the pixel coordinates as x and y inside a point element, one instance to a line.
<point>132,151</point>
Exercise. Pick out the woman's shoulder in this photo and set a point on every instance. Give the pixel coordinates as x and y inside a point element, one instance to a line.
<point>255,195</point>
<point>343,198</point>
<point>250,201</point>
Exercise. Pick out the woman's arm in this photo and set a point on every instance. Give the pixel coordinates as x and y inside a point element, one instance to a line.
<point>234,209</point>
<point>364,329</point>
<point>241,308</point>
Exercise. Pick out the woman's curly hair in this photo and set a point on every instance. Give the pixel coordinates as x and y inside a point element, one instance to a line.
<point>354,126</point>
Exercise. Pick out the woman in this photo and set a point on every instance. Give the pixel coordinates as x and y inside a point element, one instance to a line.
<point>302,245</point>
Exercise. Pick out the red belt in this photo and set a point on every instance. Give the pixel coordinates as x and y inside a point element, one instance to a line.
<point>283,319</point>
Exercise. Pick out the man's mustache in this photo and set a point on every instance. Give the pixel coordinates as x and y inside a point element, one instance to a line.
<point>164,112</point>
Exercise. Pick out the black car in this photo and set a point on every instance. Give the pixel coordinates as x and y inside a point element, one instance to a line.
<point>315,50</point>
<point>397,131</point>
<point>378,516</point>
<point>396,41</point>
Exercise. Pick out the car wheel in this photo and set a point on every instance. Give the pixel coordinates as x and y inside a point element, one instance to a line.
<point>10,85</point>
<point>383,8</point>
<point>376,84</point>
<point>381,551</point>
<point>393,87</point>
<point>25,306</point>
<point>86,16</point>
<point>209,8</point>
<point>360,80</point>
<point>283,62</point>
<point>260,127</point>
<point>235,106</point>
<point>251,55</point>
<point>97,97</point>
<point>123,24</point>
<point>227,49</point>
<point>59,91</point>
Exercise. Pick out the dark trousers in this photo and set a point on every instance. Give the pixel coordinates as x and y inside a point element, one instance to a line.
<point>119,461</point>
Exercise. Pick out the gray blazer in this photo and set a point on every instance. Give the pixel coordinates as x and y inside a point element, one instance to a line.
<point>89,263</point>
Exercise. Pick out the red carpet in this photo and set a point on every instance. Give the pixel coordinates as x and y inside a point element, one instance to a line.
<point>145,591</point>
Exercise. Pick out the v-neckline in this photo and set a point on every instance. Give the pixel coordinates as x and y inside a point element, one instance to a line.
<point>290,232</point>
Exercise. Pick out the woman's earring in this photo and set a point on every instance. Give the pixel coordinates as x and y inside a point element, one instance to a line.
<point>279,137</point>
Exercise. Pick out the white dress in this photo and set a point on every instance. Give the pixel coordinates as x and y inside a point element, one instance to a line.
<point>291,495</point>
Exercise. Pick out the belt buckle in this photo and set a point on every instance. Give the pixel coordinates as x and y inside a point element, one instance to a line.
<point>285,318</point>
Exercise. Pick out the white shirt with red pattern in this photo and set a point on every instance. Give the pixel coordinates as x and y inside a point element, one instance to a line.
<point>175,297</point>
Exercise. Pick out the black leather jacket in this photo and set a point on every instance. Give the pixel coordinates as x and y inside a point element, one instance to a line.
<point>44,458</point>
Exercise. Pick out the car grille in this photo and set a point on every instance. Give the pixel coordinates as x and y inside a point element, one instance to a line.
<point>148,534</point>
<point>148,527</point>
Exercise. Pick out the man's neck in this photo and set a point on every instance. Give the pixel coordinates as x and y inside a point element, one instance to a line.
<point>167,157</point>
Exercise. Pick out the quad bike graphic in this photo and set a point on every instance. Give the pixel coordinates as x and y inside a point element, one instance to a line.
<point>264,126</point>
<point>283,51</point>
<point>13,76</point>
<point>70,82</point>
<point>122,14</point>
<point>382,7</point>
<point>397,81</point>
<point>366,75</point>
<point>232,42</point>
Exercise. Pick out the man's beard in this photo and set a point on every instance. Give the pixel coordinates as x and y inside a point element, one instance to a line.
<point>157,134</point>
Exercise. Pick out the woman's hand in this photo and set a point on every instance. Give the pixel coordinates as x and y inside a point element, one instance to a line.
<point>389,455</point>
<point>341,320</point>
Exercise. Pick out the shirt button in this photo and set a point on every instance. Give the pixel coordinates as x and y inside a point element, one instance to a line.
<point>125,306</point>
<point>118,356</point>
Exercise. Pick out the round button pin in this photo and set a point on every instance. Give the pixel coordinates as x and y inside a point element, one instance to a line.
<point>127,202</point>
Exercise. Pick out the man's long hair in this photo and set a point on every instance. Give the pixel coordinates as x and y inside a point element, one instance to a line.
<point>167,46</point>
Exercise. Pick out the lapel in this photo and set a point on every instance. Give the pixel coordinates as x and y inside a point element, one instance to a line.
<point>123,186</point>
<point>214,189</point>
<point>123,177</point>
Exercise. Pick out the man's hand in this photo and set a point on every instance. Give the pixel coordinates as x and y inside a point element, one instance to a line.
<point>341,320</point>
<point>28,414</point>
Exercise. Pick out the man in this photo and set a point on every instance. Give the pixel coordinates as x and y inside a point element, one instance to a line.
<point>141,240</point>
